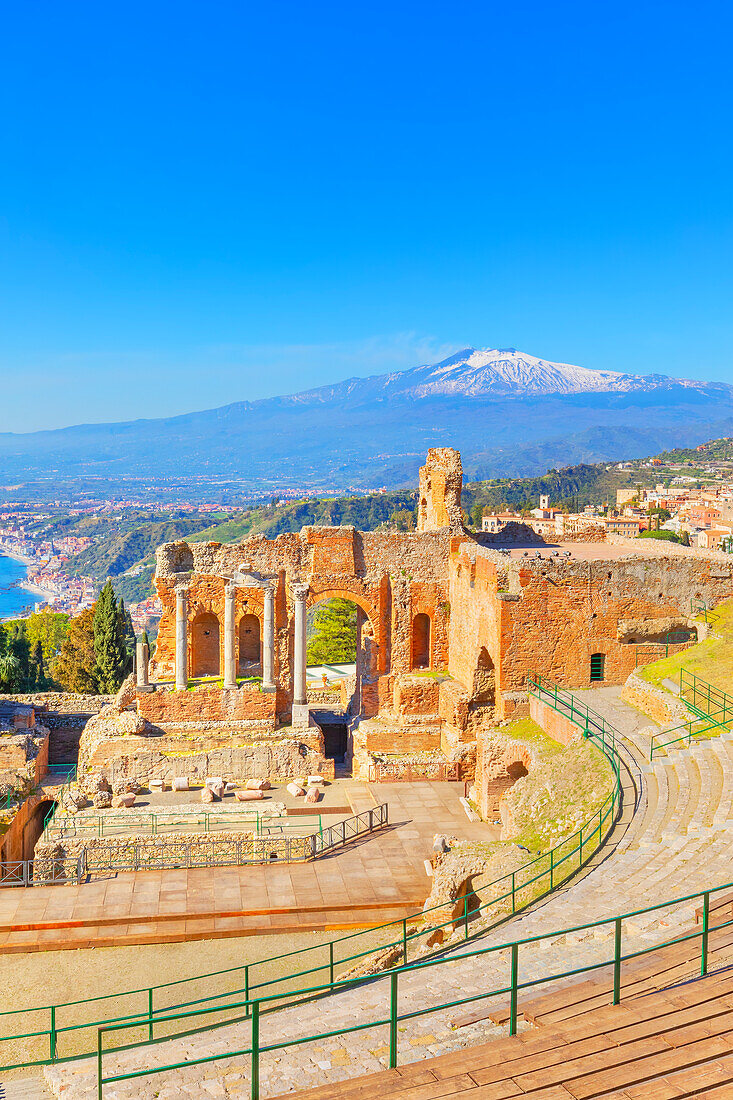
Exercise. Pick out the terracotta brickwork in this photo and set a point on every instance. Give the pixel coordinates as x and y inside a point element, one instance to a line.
<point>209,707</point>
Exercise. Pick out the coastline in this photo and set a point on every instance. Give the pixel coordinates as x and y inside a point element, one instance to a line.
<point>4,553</point>
<point>43,595</point>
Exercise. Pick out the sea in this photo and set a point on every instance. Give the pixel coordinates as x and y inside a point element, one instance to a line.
<point>14,601</point>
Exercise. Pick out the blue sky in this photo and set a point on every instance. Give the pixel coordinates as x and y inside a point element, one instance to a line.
<point>210,202</point>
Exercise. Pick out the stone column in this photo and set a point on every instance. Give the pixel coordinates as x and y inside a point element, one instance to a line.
<point>230,657</point>
<point>181,639</point>
<point>268,641</point>
<point>142,656</point>
<point>300,698</point>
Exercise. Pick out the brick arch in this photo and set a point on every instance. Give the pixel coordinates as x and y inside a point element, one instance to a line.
<point>318,595</point>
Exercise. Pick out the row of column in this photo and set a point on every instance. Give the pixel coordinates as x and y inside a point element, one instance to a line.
<point>230,636</point>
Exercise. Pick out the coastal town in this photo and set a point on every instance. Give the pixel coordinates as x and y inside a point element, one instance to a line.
<point>52,587</point>
<point>684,508</point>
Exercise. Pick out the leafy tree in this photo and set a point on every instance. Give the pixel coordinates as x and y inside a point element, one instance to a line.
<point>403,519</point>
<point>49,628</point>
<point>665,536</point>
<point>109,641</point>
<point>334,633</point>
<point>685,538</point>
<point>75,668</point>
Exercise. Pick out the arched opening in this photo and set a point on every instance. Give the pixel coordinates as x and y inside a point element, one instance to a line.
<point>484,680</point>
<point>205,645</point>
<point>597,666</point>
<point>250,652</point>
<point>339,649</point>
<point>421,641</point>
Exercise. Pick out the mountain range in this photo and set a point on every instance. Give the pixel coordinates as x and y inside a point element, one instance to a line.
<point>508,412</point>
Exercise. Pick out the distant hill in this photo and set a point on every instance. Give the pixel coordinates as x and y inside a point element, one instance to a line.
<point>508,412</point>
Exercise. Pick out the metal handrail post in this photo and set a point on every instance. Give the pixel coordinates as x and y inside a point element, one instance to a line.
<point>150,1014</point>
<point>255,1072</point>
<point>392,1021</point>
<point>705,933</point>
<point>514,984</point>
<point>52,1034</point>
<point>617,962</point>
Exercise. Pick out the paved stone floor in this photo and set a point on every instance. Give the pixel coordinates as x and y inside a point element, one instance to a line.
<point>378,878</point>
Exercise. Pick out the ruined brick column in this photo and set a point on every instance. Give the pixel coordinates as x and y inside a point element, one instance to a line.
<point>268,641</point>
<point>181,639</point>
<point>230,660</point>
<point>300,593</point>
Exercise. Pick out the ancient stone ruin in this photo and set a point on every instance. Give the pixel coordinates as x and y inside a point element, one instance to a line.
<point>449,629</point>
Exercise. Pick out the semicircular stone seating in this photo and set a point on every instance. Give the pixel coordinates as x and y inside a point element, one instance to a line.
<point>677,841</point>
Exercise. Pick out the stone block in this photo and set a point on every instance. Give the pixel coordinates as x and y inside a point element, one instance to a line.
<point>313,794</point>
<point>258,784</point>
<point>180,783</point>
<point>248,795</point>
<point>315,781</point>
<point>295,790</point>
<point>207,795</point>
<point>123,802</point>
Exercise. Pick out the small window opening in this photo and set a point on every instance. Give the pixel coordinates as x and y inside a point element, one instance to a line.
<point>597,662</point>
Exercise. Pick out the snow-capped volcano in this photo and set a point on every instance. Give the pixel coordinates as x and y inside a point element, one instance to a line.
<point>506,371</point>
<point>496,373</point>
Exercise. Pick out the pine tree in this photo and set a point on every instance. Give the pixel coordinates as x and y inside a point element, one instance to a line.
<point>334,633</point>
<point>109,641</point>
<point>75,668</point>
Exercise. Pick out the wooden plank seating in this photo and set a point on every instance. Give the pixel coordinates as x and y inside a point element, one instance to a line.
<point>671,1037</point>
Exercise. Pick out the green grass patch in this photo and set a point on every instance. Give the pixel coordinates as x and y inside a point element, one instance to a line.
<point>524,729</point>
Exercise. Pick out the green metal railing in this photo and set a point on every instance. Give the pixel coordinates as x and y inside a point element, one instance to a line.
<point>702,610</point>
<point>704,698</point>
<point>252,1009</point>
<point>505,896</point>
<point>713,710</point>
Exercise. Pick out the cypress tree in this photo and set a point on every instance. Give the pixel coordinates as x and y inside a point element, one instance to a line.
<point>128,633</point>
<point>109,641</point>
<point>37,676</point>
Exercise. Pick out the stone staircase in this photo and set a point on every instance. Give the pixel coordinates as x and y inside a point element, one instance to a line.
<point>677,841</point>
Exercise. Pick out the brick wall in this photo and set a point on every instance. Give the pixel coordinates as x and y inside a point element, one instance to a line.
<point>205,705</point>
